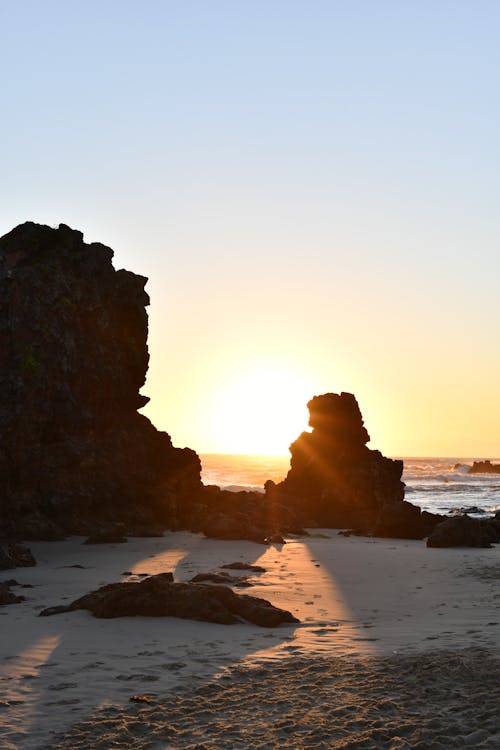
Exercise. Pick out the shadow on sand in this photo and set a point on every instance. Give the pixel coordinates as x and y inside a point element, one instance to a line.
<point>68,665</point>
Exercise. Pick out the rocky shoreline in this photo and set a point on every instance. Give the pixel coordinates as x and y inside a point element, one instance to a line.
<point>77,458</point>
<point>484,467</point>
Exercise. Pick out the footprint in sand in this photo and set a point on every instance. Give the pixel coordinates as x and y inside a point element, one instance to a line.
<point>93,665</point>
<point>63,686</point>
<point>174,666</point>
<point>150,653</point>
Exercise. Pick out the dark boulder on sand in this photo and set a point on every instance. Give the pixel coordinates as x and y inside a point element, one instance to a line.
<point>462,531</point>
<point>75,453</point>
<point>335,480</point>
<point>6,595</point>
<point>14,555</point>
<point>159,596</point>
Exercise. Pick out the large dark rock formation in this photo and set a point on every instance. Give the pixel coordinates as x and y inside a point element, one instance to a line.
<point>335,480</point>
<point>77,457</point>
<point>74,451</point>
<point>159,596</point>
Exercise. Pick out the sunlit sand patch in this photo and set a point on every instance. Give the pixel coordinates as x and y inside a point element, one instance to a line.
<point>164,562</point>
<point>303,586</point>
<point>18,682</point>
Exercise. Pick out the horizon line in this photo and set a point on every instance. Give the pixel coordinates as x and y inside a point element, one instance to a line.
<point>287,455</point>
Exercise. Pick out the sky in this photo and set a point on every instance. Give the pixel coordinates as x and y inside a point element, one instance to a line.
<point>311,187</point>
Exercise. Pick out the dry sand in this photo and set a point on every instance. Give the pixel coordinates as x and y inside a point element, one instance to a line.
<point>397,648</point>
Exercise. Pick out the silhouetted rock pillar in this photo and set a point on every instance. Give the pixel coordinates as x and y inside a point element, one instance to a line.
<point>74,452</point>
<point>335,480</point>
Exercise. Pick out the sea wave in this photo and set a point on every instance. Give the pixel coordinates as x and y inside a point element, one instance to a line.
<point>435,485</point>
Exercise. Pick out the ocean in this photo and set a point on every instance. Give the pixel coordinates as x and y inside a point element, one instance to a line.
<point>439,485</point>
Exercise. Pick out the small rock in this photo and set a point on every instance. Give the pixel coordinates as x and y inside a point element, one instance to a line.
<point>220,578</point>
<point>7,597</point>
<point>274,539</point>
<point>140,699</point>
<point>244,566</point>
<point>14,555</point>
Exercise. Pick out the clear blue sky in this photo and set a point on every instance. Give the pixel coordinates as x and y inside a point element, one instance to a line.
<point>311,186</point>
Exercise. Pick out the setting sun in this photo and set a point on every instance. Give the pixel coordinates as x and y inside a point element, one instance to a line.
<point>263,411</point>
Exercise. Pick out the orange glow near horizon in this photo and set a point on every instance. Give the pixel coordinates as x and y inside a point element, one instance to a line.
<point>250,397</point>
<point>262,412</point>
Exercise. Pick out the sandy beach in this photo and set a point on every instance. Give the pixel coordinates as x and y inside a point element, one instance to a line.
<point>397,647</point>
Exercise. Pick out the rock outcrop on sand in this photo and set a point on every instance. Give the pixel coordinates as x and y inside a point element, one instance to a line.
<point>335,480</point>
<point>14,555</point>
<point>463,531</point>
<point>6,595</point>
<point>221,514</point>
<point>75,453</point>
<point>160,596</point>
<point>484,467</point>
